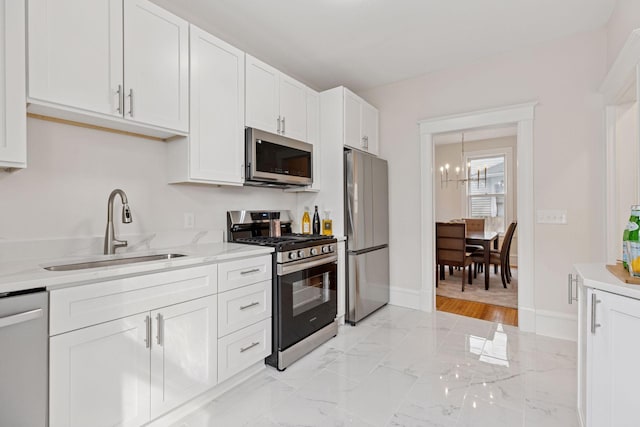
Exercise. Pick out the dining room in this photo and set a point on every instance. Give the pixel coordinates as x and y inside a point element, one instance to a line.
<point>476,223</point>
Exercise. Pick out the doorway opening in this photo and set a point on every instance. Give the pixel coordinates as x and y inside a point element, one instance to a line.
<point>476,177</point>
<point>521,118</point>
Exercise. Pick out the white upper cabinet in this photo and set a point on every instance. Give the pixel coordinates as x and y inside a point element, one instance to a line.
<point>156,72</point>
<point>214,151</point>
<point>274,101</point>
<point>13,121</point>
<point>124,65</point>
<point>262,96</point>
<point>360,123</point>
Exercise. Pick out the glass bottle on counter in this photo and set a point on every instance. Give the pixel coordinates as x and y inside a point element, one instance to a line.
<point>316,221</point>
<point>306,222</point>
<point>631,242</point>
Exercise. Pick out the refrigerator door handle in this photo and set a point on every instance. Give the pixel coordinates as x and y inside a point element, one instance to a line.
<point>367,250</point>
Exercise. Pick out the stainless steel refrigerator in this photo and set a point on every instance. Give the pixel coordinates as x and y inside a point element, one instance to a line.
<point>367,229</point>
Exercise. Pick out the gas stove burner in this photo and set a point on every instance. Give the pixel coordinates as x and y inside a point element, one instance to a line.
<point>283,240</point>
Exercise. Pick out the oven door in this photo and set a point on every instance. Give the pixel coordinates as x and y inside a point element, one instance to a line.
<point>307,302</point>
<point>277,159</point>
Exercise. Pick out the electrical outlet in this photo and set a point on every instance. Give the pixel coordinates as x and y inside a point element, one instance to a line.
<point>551,216</point>
<point>189,220</point>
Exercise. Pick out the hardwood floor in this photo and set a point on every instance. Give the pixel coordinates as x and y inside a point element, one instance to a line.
<point>478,310</point>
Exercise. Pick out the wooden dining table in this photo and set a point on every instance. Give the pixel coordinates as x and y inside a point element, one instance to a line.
<point>484,239</point>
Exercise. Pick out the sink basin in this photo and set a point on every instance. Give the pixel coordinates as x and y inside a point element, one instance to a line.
<point>110,262</point>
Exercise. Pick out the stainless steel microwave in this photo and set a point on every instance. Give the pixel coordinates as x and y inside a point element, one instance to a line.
<point>275,160</point>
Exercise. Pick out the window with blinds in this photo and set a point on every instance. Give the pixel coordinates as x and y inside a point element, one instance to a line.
<point>486,199</point>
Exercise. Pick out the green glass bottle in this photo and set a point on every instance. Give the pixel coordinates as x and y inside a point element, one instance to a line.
<point>631,242</point>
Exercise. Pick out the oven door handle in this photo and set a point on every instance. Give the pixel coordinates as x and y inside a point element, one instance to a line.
<point>284,269</point>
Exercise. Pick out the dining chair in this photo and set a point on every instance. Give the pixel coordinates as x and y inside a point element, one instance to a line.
<point>501,257</point>
<point>451,249</point>
<point>474,225</point>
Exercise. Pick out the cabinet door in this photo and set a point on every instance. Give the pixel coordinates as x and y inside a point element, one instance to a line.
<point>75,53</point>
<point>13,137</point>
<point>612,355</point>
<point>183,352</point>
<point>262,105</point>
<point>216,138</point>
<point>293,108</point>
<point>370,128</point>
<point>313,134</point>
<point>156,58</point>
<point>99,376</point>
<point>352,121</point>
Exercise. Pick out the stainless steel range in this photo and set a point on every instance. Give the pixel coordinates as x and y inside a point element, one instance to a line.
<point>304,282</point>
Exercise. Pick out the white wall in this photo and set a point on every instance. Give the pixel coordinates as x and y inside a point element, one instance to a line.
<point>71,171</point>
<point>568,150</point>
<point>624,19</point>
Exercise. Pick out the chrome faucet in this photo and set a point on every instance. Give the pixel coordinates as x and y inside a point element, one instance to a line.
<point>110,241</point>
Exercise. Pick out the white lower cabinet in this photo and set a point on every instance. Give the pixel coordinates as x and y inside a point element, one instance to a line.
<point>241,349</point>
<point>99,376</point>
<point>612,360</point>
<point>183,353</point>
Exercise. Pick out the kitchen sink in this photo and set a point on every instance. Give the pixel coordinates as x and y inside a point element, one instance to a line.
<point>110,262</point>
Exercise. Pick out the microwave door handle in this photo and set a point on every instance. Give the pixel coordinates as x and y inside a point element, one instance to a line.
<point>283,125</point>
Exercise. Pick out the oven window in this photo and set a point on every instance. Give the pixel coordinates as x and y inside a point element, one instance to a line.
<point>310,292</point>
<point>282,160</point>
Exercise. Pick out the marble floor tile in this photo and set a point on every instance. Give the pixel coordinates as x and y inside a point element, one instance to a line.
<point>402,367</point>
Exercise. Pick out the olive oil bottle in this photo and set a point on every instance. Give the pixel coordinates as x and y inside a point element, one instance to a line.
<point>306,222</point>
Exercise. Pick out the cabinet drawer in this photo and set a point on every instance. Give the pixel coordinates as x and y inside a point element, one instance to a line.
<point>234,274</point>
<point>243,307</point>
<point>85,305</point>
<point>243,348</point>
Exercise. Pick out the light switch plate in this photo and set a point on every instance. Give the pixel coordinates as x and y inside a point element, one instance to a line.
<point>189,220</point>
<point>551,216</point>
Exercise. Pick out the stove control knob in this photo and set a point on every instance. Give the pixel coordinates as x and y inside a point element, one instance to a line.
<point>331,248</point>
<point>300,254</point>
<point>292,255</point>
<point>314,251</point>
<point>325,249</point>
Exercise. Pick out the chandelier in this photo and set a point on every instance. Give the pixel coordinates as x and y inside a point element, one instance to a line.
<point>466,178</point>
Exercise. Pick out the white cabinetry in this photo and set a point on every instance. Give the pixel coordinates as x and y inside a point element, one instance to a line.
<point>99,376</point>
<point>612,359</point>
<point>274,101</point>
<point>214,151</point>
<point>124,65</point>
<point>183,353</point>
<point>360,122</point>
<point>13,125</point>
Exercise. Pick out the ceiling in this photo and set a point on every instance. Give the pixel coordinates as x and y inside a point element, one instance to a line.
<point>367,43</point>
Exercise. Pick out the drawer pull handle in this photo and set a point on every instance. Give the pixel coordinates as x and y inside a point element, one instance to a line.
<point>253,304</point>
<point>147,332</point>
<point>242,350</point>
<point>253,270</point>
<point>160,336</point>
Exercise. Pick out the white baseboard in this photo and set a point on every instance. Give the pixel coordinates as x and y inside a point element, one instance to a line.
<point>403,297</point>
<point>557,325</point>
<point>526,319</point>
<point>198,402</point>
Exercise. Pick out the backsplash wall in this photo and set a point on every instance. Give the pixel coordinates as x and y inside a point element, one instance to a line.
<point>71,171</point>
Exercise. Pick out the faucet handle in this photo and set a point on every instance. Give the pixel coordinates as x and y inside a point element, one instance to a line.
<point>126,214</point>
<point>119,243</point>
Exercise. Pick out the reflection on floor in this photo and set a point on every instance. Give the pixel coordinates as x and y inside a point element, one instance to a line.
<point>403,367</point>
<point>478,310</point>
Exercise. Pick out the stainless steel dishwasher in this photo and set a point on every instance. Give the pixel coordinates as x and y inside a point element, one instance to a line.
<point>24,358</point>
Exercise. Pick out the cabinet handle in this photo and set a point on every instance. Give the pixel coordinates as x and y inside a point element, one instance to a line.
<point>570,285</point>
<point>278,124</point>
<point>147,335</point>
<point>253,304</point>
<point>283,126</point>
<point>120,99</point>
<point>594,302</point>
<point>242,350</point>
<point>160,336</point>
<point>253,270</point>
<point>14,319</point>
<point>131,102</point>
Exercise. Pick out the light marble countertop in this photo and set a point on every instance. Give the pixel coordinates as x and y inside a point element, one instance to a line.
<point>597,276</point>
<point>27,274</point>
